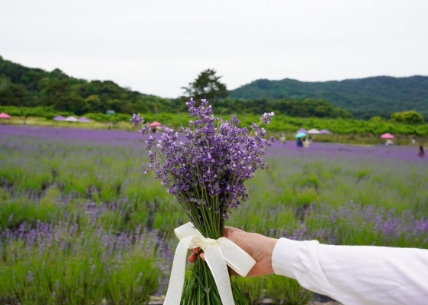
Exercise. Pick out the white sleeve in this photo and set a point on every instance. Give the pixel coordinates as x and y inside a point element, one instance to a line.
<point>355,274</point>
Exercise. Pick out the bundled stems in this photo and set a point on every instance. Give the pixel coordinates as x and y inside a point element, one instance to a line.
<point>200,287</point>
<point>206,172</point>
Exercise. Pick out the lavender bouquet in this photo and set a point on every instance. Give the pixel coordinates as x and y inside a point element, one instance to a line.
<point>206,173</point>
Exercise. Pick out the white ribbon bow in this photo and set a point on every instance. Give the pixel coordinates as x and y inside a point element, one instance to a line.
<point>218,253</point>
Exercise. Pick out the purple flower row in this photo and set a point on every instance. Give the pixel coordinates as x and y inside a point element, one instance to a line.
<point>68,238</point>
<point>361,225</point>
<point>131,139</point>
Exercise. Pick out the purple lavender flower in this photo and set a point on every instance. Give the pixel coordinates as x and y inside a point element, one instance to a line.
<point>206,173</point>
<point>136,120</point>
<point>267,117</point>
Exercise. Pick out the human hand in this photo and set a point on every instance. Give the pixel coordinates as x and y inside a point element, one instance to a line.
<point>259,247</point>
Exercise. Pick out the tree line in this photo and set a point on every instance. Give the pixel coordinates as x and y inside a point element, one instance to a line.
<point>364,98</point>
<point>29,87</point>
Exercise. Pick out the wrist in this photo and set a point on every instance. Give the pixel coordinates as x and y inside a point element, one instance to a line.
<point>270,246</point>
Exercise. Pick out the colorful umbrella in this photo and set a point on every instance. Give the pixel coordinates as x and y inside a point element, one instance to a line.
<point>59,118</point>
<point>302,130</point>
<point>155,124</point>
<point>387,136</point>
<point>300,135</point>
<point>71,119</point>
<point>84,120</point>
<point>313,131</point>
<point>324,131</point>
<point>4,116</point>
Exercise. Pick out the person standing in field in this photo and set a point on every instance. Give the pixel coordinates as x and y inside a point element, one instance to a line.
<point>421,152</point>
<point>282,138</point>
<point>306,143</point>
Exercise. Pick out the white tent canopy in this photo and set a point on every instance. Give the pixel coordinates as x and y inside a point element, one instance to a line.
<point>313,131</point>
<point>71,119</point>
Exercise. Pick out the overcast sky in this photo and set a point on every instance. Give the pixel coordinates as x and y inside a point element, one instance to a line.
<point>158,46</point>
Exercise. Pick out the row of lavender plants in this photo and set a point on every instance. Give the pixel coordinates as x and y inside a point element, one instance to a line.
<point>60,249</point>
<point>62,264</point>
<point>81,224</point>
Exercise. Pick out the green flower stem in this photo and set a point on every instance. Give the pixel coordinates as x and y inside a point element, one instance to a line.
<point>200,287</point>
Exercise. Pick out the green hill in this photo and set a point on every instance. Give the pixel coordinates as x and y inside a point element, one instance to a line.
<point>30,87</point>
<point>366,97</point>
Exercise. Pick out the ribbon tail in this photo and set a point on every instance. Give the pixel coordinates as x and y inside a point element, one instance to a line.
<point>176,280</point>
<point>235,257</point>
<point>218,267</point>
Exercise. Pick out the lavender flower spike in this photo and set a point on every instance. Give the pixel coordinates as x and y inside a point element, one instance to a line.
<point>136,119</point>
<point>267,117</point>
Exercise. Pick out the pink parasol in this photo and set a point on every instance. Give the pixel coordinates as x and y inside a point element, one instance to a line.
<point>4,116</point>
<point>155,124</point>
<point>387,136</point>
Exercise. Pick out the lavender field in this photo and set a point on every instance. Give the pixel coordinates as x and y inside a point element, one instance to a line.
<point>81,224</point>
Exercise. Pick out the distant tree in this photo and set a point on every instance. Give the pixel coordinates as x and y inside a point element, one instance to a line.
<point>13,94</point>
<point>308,108</point>
<point>341,113</point>
<point>93,104</point>
<point>322,111</point>
<point>58,74</point>
<point>376,119</point>
<point>206,86</point>
<point>133,108</point>
<point>114,104</point>
<point>58,93</point>
<point>410,117</point>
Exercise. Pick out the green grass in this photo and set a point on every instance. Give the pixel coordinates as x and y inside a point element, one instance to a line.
<point>86,191</point>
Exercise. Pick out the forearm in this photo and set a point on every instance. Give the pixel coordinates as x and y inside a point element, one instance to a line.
<point>353,274</point>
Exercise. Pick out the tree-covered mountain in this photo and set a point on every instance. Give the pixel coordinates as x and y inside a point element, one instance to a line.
<point>366,97</point>
<point>31,87</point>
